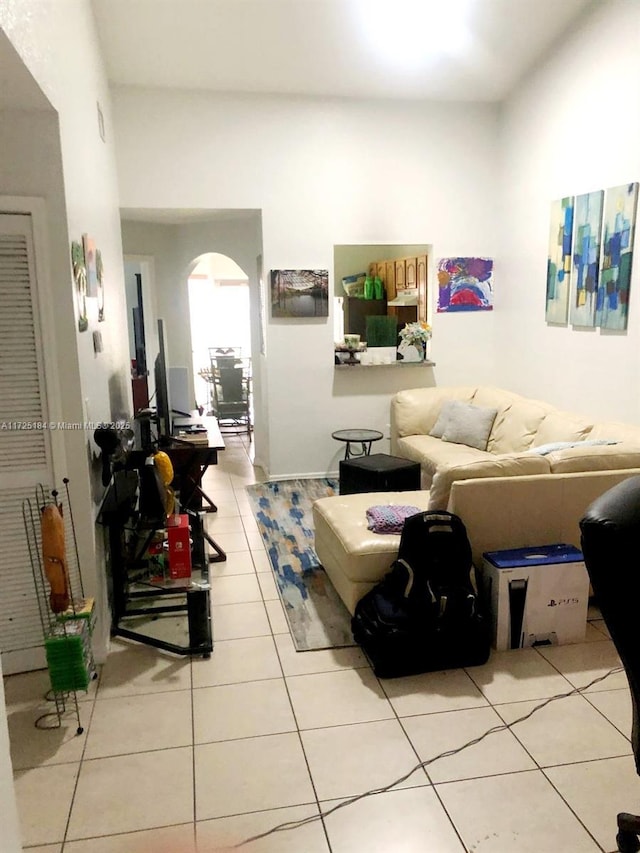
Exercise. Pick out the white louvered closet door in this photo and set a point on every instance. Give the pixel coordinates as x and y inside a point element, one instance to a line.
<point>25,448</point>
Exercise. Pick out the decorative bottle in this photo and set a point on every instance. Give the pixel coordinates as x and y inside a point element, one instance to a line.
<point>368,288</point>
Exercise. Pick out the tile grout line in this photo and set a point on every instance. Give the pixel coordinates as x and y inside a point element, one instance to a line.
<point>80,763</point>
<point>423,769</point>
<point>301,743</point>
<point>293,712</point>
<point>573,812</point>
<point>271,635</point>
<point>193,749</point>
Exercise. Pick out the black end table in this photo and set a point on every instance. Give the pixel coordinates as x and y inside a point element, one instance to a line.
<point>363,437</point>
<point>378,473</point>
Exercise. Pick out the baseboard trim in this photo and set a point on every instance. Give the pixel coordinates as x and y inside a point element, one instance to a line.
<point>273,478</point>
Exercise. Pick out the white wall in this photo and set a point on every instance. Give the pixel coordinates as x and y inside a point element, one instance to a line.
<point>63,159</point>
<point>572,128</point>
<point>323,173</point>
<point>59,157</point>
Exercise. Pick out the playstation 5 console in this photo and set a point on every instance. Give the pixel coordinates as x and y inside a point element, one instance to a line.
<point>537,596</point>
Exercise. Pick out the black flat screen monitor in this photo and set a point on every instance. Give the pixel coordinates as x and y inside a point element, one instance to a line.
<point>139,342</point>
<point>163,402</point>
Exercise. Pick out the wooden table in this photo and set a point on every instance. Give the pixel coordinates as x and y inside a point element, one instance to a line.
<point>190,459</point>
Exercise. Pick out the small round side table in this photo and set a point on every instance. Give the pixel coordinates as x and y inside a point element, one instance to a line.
<point>363,437</point>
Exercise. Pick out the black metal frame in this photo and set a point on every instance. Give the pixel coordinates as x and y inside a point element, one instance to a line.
<point>117,515</point>
<point>190,463</point>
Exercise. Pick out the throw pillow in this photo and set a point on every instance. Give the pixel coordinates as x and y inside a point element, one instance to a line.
<point>470,425</point>
<point>443,418</point>
<point>389,519</point>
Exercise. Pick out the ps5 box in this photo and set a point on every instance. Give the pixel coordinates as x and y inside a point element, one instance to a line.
<point>537,596</point>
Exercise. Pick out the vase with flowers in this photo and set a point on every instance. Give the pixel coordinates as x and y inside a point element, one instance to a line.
<point>414,337</point>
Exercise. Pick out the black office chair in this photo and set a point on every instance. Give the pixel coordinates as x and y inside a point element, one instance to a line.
<point>611,546</point>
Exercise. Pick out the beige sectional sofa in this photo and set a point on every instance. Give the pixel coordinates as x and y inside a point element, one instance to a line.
<point>527,437</point>
<point>530,485</point>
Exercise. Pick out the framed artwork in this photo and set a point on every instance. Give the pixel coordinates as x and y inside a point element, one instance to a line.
<point>559,260</point>
<point>618,226</point>
<point>586,258</point>
<point>80,282</point>
<point>465,284</point>
<point>90,263</point>
<point>100,278</point>
<point>299,293</point>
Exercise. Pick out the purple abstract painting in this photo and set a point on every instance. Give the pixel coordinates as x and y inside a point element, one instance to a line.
<point>465,284</point>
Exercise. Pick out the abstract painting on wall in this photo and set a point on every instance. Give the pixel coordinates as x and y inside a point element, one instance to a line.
<point>80,281</point>
<point>90,260</point>
<point>299,293</point>
<point>612,306</point>
<point>559,260</point>
<point>586,258</point>
<point>465,284</point>
<point>100,277</point>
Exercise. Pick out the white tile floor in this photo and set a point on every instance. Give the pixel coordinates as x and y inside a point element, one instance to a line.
<point>183,755</point>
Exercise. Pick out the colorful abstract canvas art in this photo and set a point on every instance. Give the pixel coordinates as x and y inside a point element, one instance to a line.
<point>559,260</point>
<point>618,226</point>
<point>586,258</point>
<point>100,276</point>
<point>89,245</point>
<point>465,284</point>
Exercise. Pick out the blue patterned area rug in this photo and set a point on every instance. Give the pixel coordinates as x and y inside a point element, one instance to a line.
<point>317,617</point>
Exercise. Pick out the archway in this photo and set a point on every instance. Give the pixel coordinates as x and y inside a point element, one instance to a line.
<point>219,312</point>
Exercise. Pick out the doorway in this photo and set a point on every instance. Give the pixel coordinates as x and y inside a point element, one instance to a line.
<point>176,241</point>
<point>220,321</point>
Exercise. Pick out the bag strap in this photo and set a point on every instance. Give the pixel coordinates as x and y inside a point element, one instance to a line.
<point>411,579</point>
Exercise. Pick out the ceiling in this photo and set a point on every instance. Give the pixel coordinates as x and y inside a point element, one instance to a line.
<point>333,48</point>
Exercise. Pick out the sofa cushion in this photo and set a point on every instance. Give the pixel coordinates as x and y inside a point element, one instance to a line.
<point>433,453</point>
<point>554,446</point>
<point>468,424</point>
<point>415,411</point>
<point>495,465</point>
<point>594,458</point>
<point>563,426</point>
<point>536,510</point>
<point>495,398</point>
<point>629,433</point>
<point>340,523</point>
<point>516,425</point>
